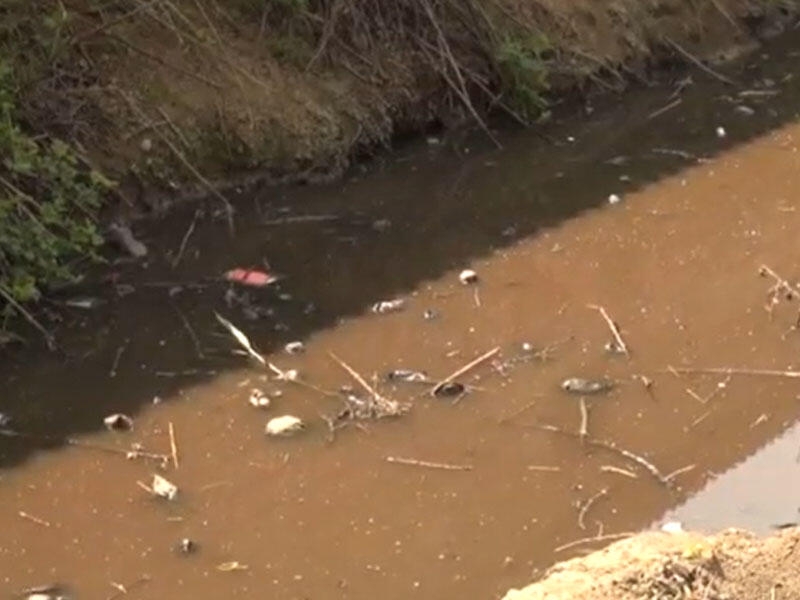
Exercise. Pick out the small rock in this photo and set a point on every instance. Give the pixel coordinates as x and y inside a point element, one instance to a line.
<point>258,399</point>
<point>295,348</point>
<point>468,276</point>
<point>118,422</point>
<point>146,144</point>
<point>163,488</point>
<point>448,390</point>
<point>407,375</point>
<point>388,306</point>
<point>284,426</point>
<point>614,199</point>
<point>527,347</point>
<point>577,385</point>
<point>721,133</point>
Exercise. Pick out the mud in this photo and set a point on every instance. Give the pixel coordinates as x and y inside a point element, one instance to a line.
<point>675,263</point>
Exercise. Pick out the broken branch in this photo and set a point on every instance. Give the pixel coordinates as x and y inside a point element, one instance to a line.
<point>465,369</point>
<point>612,326</point>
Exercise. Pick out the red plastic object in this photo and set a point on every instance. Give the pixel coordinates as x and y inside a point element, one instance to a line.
<point>250,277</point>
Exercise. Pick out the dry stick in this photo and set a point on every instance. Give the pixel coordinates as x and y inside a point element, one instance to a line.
<point>612,326</point>
<point>173,445</point>
<point>461,89</point>
<point>680,471</point>
<point>430,465</point>
<point>192,335</point>
<point>737,371</point>
<point>185,239</point>
<point>48,337</point>
<point>587,505</point>
<point>109,24</point>
<point>33,519</point>
<point>662,110</point>
<point>545,468</point>
<point>179,155</point>
<point>465,369</point>
<point>584,429</point>
<point>88,445</point>
<point>361,381</point>
<point>613,469</point>
<point>612,447</point>
<point>117,356</point>
<point>517,412</point>
<point>596,538</point>
<point>696,61</point>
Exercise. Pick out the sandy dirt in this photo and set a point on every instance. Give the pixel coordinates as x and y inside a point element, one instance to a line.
<point>731,565</point>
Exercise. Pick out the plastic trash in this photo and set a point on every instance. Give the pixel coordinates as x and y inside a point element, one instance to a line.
<point>407,375</point>
<point>163,488</point>
<point>295,348</point>
<point>250,277</point>
<point>388,306</point>
<point>118,422</point>
<point>258,399</point>
<point>284,426</point>
<point>578,385</point>
<point>467,277</point>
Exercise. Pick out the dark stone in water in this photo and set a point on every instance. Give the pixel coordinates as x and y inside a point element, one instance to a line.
<point>448,390</point>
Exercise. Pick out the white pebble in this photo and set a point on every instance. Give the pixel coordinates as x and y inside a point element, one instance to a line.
<point>468,276</point>
<point>614,199</point>
<point>285,425</point>
<point>721,133</point>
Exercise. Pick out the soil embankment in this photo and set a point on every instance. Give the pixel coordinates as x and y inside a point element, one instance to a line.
<point>166,94</point>
<point>732,564</point>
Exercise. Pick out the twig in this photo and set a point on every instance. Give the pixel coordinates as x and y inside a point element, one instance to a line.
<point>584,429</point>
<point>476,296</point>
<point>117,356</point>
<point>359,379</point>
<point>185,239</point>
<point>517,412</point>
<point>696,61</point>
<point>146,487</point>
<point>430,465</point>
<point>663,109</point>
<point>613,469</point>
<point>33,519</point>
<point>141,580</point>
<point>612,326</point>
<point>48,337</point>
<point>545,468</point>
<point>612,447</point>
<point>173,445</point>
<point>465,369</point>
<point>192,335</point>
<point>680,471</point>
<point>587,505</point>
<point>737,371</point>
<point>596,538</point>
<point>88,445</point>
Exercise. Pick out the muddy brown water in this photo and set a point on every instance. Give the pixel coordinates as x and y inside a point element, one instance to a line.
<point>675,263</point>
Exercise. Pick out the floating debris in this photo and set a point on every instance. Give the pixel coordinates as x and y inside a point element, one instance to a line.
<point>295,348</point>
<point>84,302</point>
<point>45,592</point>
<point>613,347</point>
<point>430,314</point>
<point>449,389</point>
<point>241,338</point>
<point>721,133</point>
<point>614,199</point>
<point>407,375</point>
<point>468,277</point>
<point>745,110</point>
<point>186,547</point>
<point>233,565</point>
<point>388,306</point>
<point>284,426</point>
<point>258,399</point>
<point>118,422</point>
<point>251,277</point>
<point>577,385</point>
<point>163,488</point>
<point>381,225</point>
<point>5,420</point>
<point>290,375</point>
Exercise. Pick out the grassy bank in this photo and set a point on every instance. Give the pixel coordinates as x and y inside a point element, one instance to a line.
<point>165,95</point>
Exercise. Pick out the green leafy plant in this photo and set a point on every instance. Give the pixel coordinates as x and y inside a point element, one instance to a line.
<point>48,205</point>
<point>522,63</point>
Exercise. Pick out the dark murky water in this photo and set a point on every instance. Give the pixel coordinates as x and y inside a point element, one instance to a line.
<point>675,263</point>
